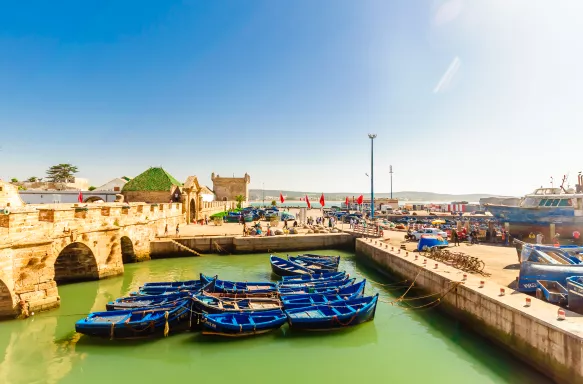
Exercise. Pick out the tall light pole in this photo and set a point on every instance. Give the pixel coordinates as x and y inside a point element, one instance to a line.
<point>372,137</point>
<point>391,172</point>
<point>263,191</point>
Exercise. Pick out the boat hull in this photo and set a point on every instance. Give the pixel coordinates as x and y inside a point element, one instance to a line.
<point>531,272</point>
<point>282,267</point>
<point>239,325</point>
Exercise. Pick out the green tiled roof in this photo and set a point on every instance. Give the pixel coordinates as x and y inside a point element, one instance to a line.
<point>154,179</point>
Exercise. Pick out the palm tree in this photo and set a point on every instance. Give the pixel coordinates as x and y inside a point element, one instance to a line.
<point>240,199</point>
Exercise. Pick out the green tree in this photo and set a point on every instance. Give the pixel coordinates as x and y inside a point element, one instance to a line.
<point>62,173</point>
<point>14,180</point>
<point>273,202</point>
<point>92,188</point>
<point>240,199</point>
<point>32,179</point>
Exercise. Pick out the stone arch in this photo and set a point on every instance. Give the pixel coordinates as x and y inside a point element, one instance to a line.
<point>128,255</point>
<point>224,199</point>
<point>93,199</point>
<point>192,210</point>
<point>6,301</point>
<point>76,262</point>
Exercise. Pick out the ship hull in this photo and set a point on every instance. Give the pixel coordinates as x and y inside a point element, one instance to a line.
<point>524,221</point>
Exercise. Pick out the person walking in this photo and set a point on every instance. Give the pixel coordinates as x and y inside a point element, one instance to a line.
<point>206,220</point>
<point>506,238</point>
<point>166,230</point>
<point>177,230</point>
<point>285,223</point>
<point>455,238</point>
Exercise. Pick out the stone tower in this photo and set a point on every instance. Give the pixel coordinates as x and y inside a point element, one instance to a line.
<point>226,188</point>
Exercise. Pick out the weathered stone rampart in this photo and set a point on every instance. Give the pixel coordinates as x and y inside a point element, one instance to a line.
<point>42,246</point>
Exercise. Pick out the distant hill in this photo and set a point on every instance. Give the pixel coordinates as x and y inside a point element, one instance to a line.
<point>271,194</point>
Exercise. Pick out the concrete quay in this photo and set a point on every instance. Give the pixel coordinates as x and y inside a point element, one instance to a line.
<point>164,248</point>
<point>533,333</point>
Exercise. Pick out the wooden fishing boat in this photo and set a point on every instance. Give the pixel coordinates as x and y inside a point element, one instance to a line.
<point>575,293</point>
<point>137,323</point>
<point>302,301</point>
<point>163,288</point>
<point>315,277</point>
<point>222,295</point>
<point>237,287</point>
<point>243,324</point>
<point>314,266</point>
<point>284,267</point>
<point>209,304</point>
<point>551,291</point>
<point>350,290</point>
<point>336,315</point>
<point>328,260</point>
<point>146,302</point>
<point>314,284</point>
<point>328,289</point>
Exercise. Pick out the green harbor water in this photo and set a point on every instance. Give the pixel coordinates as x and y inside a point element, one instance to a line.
<point>400,346</point>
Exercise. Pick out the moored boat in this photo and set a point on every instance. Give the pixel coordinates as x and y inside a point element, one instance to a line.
<point>315,277</point>
<point>284,267</point>
<point>327,260</point>
<point>546,263</point>
<point>137,323</point>
<point>356,289</point>
<point>243,324</point>
<point>209,304</point>
<point>310,300</point>
<point>239,287</point>
<point>313,284</point>
<point>327,289</point>
<point>314,265</point>
<point>337,315</point>
<point>162,288</point>
<point>146,302</point>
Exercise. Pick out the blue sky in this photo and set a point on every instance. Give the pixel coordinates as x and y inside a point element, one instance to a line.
<point>464,96</point>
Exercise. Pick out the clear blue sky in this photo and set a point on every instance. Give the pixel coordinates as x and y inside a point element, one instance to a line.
<point>464,96</point>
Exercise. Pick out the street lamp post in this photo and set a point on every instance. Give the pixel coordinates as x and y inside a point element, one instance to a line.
<point>391,172</point>
<point>372,137</point>
<point>263,192</point>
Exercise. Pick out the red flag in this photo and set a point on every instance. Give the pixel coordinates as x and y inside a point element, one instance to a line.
<point>360,199</point>
<point>347,202</point>
<point>80,197</point>
<point>281,198</point>
<point>322,201</point>
<point>308,202</point>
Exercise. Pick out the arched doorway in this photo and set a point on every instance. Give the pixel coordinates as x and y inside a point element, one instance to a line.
<point>127,250</point>
<point>192,209</point>
<point>6,304</point>
<point>76,262</point>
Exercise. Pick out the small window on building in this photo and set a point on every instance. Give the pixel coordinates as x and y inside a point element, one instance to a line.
<point>116,189</point>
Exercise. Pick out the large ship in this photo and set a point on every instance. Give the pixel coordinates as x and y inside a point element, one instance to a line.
<point>546,210</point>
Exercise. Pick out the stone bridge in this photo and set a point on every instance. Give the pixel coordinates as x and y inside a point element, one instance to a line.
<point>46,245</point>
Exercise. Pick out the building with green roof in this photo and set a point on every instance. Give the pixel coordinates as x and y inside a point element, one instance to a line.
<point>155,185</point>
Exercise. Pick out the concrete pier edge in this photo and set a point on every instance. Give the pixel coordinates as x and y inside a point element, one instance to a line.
<point>533,334</point>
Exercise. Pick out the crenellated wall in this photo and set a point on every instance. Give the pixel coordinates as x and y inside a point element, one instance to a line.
<point>47,245</point>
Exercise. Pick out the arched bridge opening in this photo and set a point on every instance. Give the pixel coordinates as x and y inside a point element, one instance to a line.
<point>76,262</point>
<point>128,255</point>
<point>6,304</point>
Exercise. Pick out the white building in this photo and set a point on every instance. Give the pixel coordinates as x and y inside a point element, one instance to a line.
<point>207,194</point>
<point>113,185</point>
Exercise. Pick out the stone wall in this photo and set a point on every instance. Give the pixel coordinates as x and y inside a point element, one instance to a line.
<point>60,243</point>
<point>9,195</point>
<point>147,196</point>
<point>533,333</point>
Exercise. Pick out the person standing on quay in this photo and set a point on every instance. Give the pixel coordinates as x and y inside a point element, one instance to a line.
<point>455,238</point>
<point>166,230</point>
<point>177,230</point>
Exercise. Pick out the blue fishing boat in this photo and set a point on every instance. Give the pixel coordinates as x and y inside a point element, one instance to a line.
<point>243,324</point>
<point>237,287</point>
<point>315,277</point>
<point>314,266</point>
<point>313,284</point>
<point>162,288</point>
<point>309,300</point>
<point>575,293</point>
<point>146,302</point>
<point>328,289</point>
<point>337,315</point>
<point>284,267</point>
<point>546,263</point>
<point>328,260</point>
<point>137,323</point>
<point>210,304</point>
